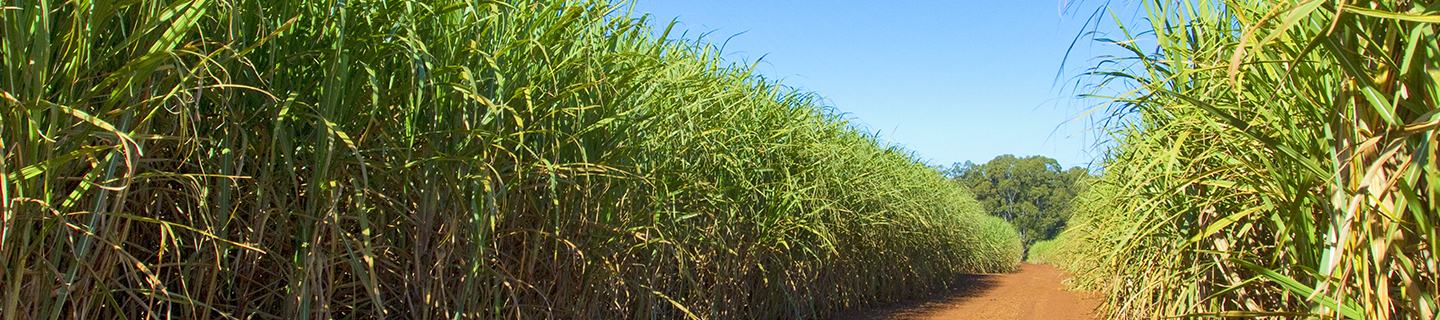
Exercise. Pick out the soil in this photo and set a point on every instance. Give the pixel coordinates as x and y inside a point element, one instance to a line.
<point>1034,293</point>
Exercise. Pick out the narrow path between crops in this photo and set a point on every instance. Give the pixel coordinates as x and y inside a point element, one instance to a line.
<point>1033,293</point>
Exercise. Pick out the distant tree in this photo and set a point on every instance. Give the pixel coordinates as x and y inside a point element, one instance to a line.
<point>1033,193</point>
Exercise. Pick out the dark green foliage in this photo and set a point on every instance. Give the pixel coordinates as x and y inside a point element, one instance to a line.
<point>1033,193</point>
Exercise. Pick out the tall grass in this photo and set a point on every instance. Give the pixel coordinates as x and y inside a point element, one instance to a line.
<point>306,159</point>
<point>1274,159</point>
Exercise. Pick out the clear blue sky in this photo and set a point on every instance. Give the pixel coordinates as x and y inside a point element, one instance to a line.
<point>951,80</point>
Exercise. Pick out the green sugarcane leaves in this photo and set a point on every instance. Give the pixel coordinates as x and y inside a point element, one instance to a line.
<point>442,159</point>
<point>1308,166</point>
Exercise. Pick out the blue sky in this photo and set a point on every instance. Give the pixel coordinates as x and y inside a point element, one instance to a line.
<point>951,80</point>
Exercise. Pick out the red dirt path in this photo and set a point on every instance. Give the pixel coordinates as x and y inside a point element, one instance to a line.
<point>1033,293</point>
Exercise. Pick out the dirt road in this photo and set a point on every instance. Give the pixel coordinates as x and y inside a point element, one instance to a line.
<point>1033,293</point>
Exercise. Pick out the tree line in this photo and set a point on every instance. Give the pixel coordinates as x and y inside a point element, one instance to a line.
<point>1033,192</point>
